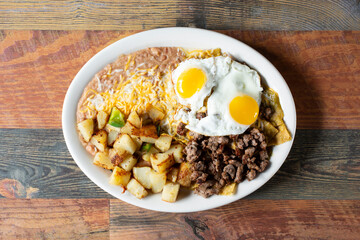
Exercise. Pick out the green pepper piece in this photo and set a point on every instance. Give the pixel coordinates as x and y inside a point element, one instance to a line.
<point>146,147</point>
<point>116,118</point>
<point>158,129</point>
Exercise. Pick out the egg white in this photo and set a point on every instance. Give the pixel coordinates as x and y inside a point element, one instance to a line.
<point>241,80</point>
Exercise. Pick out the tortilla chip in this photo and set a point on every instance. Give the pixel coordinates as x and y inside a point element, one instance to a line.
<point>228,190</point>
<point>282,136</point>
<point>269,130</point>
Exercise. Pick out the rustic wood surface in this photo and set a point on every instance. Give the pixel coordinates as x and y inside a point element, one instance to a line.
<point>244,219</point>
<point>321,68</point>
<point>35,163</point>
<point>54,219</point>
<point>315,194</point>
<point>211,14</point>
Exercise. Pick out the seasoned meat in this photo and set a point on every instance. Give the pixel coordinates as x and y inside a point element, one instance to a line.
<point>196,136</point>
<point>200,115</point>
<point>251,174</point>
<point>181,130</point>
<point>220,160</point>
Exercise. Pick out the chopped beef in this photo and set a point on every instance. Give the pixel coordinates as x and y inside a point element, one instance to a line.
<point>181,130</point>
<point>220,160</point>
<point>251,174</point>
<point>192,151</point>
<point>196,136</point>
<point>200,115</point>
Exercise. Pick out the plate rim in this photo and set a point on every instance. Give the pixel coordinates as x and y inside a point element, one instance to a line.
<point>67,126</point>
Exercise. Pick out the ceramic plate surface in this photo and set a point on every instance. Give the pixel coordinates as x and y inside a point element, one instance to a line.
<point>188,38</point>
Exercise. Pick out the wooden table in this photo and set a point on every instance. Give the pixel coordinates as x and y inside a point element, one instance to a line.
<point>315,194</point>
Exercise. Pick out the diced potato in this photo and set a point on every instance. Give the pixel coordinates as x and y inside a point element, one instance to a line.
<point>125,142</point>
<point>147,133</point>
<point>86,129</point>
<point>142,174</point>
<point>147,155</point>
<point>127,128</point>
<point>134,119</point>
<point>136,189</point>
<point>184,174</point>
<point>155,114</point>
<point>109,128</point>
<point>170,192</point>
<point>102,118</point>
<point>120,177</point>
<point>117,157</point>
<point>173,174</point>
<point>102,159</point>
<point>161,162</point>
<point>163,143</point>
<point>138,142</point>
<point>100,140</point>
<point>158,181</point>
<point>177,151</point>
<point>112,136</point>
<point>128,163</point>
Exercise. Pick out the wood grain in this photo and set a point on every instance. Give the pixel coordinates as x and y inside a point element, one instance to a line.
<point>54,219</point>
<point>244,219</point>
<point>321,68</point>
<point>211,14</point>
<point>323,164</point>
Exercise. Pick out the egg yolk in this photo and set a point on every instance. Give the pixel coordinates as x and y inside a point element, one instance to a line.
<point>190,81</point>
<point>244,109</point>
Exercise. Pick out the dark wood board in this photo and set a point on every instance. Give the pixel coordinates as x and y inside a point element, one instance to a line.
<point>54,219</point>
<point>323,164</point>
<point>210,14</point>
<point>245,219</point>
<point>322,69</point>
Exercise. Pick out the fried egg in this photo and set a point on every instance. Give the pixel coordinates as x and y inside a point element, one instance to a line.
<point>194,80</point>
<point>232,106</point>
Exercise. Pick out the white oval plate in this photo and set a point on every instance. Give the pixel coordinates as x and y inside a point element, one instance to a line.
<point>189,38</point>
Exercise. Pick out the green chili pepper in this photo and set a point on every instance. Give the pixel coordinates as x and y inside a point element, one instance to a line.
<point>146,147</point>
<point>158,128</point>
<point>116,118</point>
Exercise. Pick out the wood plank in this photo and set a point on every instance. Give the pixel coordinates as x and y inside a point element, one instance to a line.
<point>213,14</point>
<point>323,164</point>
<point>54,219</point>
<point>244,219</point>
<point>321,68</point>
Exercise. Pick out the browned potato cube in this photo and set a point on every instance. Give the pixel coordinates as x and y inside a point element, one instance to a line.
<point>147,133</point>
<point>136,189</point>
<point>161,162</point>
<point>128,163</point>
<point>120,177</point>
<point>134,119</point>
<point>125,142</point>
<point>102,118</point>
<point>118,157</point>
<point>170,192</point>
<point>155,114</point>
<point>102,159</point>
<point>86,129</point>
<point>142,175</point>
<point>177,151</point>
<point>112,136</point>
<point>138,142</point>
<point>173,174</point>
<point>100,140</point>
<point>127,128</point>
<point>157,180</point>
<point>184,174</point>
<point>163,142</point>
